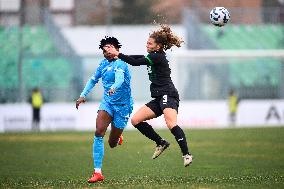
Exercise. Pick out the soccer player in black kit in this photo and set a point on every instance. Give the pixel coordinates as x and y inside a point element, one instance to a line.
<point>166,97</point>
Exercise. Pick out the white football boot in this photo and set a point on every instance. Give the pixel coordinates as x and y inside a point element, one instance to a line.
<point>187,159</point>
<point>160,148</point>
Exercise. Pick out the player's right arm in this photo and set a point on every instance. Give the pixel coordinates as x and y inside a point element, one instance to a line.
<point>135,60</point>
<point>88,87</point>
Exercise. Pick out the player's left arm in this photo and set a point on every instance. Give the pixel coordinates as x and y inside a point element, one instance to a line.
<point>119,79</point>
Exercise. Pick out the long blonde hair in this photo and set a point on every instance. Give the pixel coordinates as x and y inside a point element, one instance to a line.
<point>166,38</point>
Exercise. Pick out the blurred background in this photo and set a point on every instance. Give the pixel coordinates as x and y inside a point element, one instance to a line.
<point>53,45</point>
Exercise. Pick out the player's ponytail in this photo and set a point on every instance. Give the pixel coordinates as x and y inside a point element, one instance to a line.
<point>166,37</point>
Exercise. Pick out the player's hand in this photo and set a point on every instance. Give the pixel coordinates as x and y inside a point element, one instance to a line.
<point>79,101</point>
<point>111,91</point>
<point>111,50</point>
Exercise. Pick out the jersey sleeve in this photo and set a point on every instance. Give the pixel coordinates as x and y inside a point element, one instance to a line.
<point>119,75</point>
<point>135,60</point>
<point>91,83</point>
<point>137,56</point>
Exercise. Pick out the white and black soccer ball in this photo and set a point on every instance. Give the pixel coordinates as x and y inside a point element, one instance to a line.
<point>219,16</point>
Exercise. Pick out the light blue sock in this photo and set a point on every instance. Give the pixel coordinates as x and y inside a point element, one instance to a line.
<point>98,151</point>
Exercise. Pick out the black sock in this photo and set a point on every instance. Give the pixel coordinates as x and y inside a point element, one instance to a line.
<point>181,139</point>
<point>149,132</point>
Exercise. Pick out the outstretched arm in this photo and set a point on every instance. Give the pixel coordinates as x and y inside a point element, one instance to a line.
<point>142,60</point>
<point>135,60</point>
<point>82,99</point>
<point>89,85</point>
<point>137,56</point>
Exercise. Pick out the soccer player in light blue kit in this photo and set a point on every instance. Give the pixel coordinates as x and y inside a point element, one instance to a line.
<point>116,105</point>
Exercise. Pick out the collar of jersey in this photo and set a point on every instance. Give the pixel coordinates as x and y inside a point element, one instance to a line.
<point>157,52</point>
<point>112,60</point>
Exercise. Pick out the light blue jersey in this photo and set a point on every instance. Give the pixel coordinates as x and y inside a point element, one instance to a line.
<point>119,105</point>
<point>115,75</point>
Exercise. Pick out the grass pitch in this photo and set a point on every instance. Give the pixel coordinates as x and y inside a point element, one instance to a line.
<point>223,158</point>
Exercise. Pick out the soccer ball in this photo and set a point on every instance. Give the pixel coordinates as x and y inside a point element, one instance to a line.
<point>219,16</point>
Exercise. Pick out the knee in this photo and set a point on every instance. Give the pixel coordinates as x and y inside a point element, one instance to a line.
<point>171,124</point>
<point>134,121</point>
<point>100,132</point>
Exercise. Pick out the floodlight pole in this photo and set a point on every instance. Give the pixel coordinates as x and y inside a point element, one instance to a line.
<point>20,52</point>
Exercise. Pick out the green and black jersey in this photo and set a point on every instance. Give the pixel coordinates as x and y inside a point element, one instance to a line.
<point>158,70</point>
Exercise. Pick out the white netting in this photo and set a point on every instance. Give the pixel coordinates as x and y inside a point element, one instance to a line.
<point>209,74</point>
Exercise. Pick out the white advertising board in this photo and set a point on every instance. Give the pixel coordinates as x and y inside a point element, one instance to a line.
<point>261,112</point>
<point>192,114</point>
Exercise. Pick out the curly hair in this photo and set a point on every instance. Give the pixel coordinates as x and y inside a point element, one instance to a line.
<point>166,37</point>
<point>110,40</point>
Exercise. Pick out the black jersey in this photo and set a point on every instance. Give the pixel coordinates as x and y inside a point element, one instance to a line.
<point>158,70</point>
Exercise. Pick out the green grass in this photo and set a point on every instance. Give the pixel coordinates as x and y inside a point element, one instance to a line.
<point>223,158</point>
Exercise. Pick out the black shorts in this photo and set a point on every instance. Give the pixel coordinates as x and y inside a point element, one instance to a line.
<point>160,103</point>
